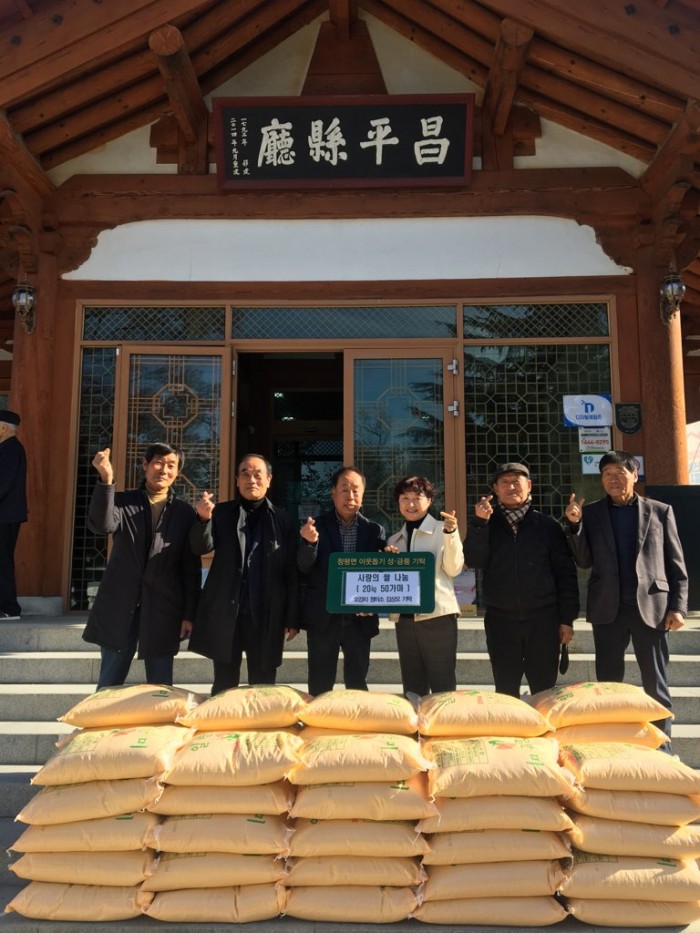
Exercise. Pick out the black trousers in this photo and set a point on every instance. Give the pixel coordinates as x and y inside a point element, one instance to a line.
<point>323,649</point>
<point>8,588</point>
<point>427,654</point>
<point>650,647</point>
<point>523,649</point>
<point>227,674</point>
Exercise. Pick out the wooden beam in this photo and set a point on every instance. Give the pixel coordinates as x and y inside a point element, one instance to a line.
<point>509,57</point>
<point>675,160</point>
<point>59,43</point>
<point>24,8</point>
<point>16,154</point>
<point>343,16</point>
<point>185,97</point>
<point>636,38</point>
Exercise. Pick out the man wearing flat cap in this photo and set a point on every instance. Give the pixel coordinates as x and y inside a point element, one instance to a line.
<point>530,587</point>
<point>13,509</point>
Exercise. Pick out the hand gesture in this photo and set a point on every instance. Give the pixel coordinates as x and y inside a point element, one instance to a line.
<point>205,506</point>
<point>449,521</point>
<point>309,532</point>
<point>574,510</point>
<point>483,508</point>
<point>102,464</point>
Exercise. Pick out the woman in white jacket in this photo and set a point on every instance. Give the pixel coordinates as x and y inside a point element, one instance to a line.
<point>427,642</point>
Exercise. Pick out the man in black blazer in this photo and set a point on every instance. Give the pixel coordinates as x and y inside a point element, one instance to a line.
<point>344,529</point>
<point>638,587</point>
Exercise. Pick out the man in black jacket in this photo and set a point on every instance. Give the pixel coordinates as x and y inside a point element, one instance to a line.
<point>529,580</point>
<point>13,509</point>
<point>250,599</point>
<point>149,590</point>
<point>343,529</point>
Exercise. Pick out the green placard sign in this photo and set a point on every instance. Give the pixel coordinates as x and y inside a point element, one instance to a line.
<point>381,582</point>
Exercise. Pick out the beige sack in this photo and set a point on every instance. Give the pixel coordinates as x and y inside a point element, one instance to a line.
<point>634,914</point>
<point>619,837</point>
<point>636,805</point>
<point>458,814</point>
<point>478,712</point>
<point>269,799</point>
<point>113,869</point>
<point>113,754</point>
<point>634,733</point>
<point>351,904</point>
<point>630,877</point>
<point>602,701</point>
<point>494,845</point>
<point>395,800</point>
<point>131,705</point>
<point>481,767</point>
<point>67,803</point>
<point>222,832</point>
<point>108,834</point>
<point>331,871</point>
<point>356,837</point>
<point>234,758</point>
<point>244,904</point>
<point>371,756</point>
<point>496,911</point>
<point>265,707</point>
<point>42,900</point>
<point>362,711</point>
<point>536,878</point>
<point>615,766</point>
<point>176,871</point>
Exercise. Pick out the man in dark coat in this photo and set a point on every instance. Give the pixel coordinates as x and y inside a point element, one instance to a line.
<point>250,599</point>
<point>638,588</point>
<point>13,509</point>
<point>529,579</point>
<point>344,529</point>
<point>149,590</point>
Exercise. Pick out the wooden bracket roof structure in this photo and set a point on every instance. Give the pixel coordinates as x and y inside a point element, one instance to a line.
<point>75,74</point>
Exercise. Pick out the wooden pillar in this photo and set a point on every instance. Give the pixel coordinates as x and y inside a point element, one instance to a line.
<point>661,365</point>
<point>30,396</point>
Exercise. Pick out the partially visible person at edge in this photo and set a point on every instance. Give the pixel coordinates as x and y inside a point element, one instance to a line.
<point>638,588</point>
<point>250,599</point>
<point>427,642</point>
<point>343,529</point>
<point>148,593</point>
<point>530,587</point>
<point>13,509</point>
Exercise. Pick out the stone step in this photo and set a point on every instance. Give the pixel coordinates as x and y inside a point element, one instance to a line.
<point>65,634</point>
<point>82,667</point>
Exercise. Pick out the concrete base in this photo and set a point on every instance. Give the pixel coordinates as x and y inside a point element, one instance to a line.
<point>41,605</point>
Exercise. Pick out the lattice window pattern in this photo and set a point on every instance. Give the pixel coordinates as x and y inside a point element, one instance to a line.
<point>546,320</point>
<point>146,324</point>
<point>337,323</point>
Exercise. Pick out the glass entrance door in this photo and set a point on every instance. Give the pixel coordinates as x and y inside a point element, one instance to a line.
<point>404,414</point>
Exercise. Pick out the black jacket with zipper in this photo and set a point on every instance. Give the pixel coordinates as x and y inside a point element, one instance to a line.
<point>526,576</point>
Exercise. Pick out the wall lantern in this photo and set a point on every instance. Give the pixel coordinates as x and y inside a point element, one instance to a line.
<point>671,295</point>
<point>23,301</point>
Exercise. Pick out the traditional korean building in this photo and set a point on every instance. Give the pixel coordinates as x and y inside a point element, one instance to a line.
<point>240,229</point>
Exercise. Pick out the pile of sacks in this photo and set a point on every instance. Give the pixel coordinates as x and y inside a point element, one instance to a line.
<point>245,806</point>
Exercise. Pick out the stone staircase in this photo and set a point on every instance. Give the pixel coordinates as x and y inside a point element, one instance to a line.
<point>46,667</point>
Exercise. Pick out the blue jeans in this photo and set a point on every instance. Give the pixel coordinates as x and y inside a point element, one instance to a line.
<point>115,664</point>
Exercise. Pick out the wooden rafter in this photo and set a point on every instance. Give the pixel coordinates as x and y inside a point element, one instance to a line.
<point>184,94</point>
<point>675,160</point>
<point>631,37</point>
<point>509,57</point>
<point>54,45</point>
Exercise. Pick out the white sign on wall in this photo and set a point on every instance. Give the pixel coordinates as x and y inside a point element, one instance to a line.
<point>587,411</point>
<point>594,440</point>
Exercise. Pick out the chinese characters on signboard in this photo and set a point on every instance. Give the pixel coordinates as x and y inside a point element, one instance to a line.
<point>295,142</point>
